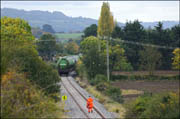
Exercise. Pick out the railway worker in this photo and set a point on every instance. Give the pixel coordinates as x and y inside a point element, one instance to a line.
<point>90,104</point>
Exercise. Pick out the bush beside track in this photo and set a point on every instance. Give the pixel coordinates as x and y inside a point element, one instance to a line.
<point>157,106</point>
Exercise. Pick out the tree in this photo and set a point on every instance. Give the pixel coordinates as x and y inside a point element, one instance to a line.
<point>176,59</point>
<point>59,48</point>
<point>15,35</point>
<point>105,28</point>
<point>46,46</point>
<point>150,59</point>
<point>72,48</point>
<point>133,31</point>
<point>175,37</point>
<point>118,61</point>
<point>90,31</point>
<point>19,52</point>
<point>117,32</point>
<point>162,37</point>
<point>159,38</point>
<point>48,28</point>
<point>37,32</point>
<point>93,59</point>
<point>105,22</point>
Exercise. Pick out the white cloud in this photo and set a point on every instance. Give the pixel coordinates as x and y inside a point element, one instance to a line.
<point>122,10</point>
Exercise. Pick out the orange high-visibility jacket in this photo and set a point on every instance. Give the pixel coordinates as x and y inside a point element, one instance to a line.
<point>89,102</point>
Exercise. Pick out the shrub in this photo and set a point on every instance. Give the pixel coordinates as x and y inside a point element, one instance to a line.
<point>80,69</point>
<point>98,79</point>
<point>158,106</point>
<point>103,86</point>
<point>93,82</point>
<point>164,106</point>
<point>21,99</point>
<point>115,94</point>
<point>101,77</point>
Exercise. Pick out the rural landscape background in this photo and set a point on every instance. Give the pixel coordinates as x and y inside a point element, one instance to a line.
<point>130,67</point>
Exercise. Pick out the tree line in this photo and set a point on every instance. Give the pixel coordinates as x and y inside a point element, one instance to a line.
<point>125,56</point>
<point>134,31</point>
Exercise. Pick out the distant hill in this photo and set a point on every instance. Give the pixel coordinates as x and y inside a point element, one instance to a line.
<point>62,23</point>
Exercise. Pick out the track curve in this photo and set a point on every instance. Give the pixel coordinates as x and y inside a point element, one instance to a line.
<point>67,84</point>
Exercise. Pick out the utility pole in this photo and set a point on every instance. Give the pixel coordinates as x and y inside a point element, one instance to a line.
<point>105,28</point>
<point>107,54</point>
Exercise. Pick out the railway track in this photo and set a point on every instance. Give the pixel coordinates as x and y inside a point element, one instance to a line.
<point>69,87</point>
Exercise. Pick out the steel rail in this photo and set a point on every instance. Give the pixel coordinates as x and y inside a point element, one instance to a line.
<point>86,99</point>
<point>75,100</point>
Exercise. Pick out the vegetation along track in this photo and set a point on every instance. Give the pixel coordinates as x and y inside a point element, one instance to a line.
<point>66,86</point>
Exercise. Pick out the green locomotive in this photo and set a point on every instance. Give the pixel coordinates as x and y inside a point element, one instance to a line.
<point>66,64</point>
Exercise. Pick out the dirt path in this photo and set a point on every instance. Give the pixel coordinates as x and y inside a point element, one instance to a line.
<point>76,104</point>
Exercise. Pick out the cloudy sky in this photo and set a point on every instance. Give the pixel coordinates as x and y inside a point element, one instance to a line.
<point>146,11</point>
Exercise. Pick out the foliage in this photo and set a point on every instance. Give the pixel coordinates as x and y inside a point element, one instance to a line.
<point>157,106</point>
<point>102,86</point>
<point>115,94</point>
<point>48,28</point>
<point>44,75</point>
<point>163,37</point>
<point>81,69</point>
<point>21,99</point>
<point>149,59</point>
<point>19,50</point>
<point>118,61</point>
<point>98,79</point>
<point>15,34</point>
<point>37,32</point>
<point>101,77</point>
<point>72,48</point>
<point>93,59</point>
<point>117,32</point>
<point>46,46</point>
<point>59,48</point>
<point>133,31</point>
<point>174,36</point>
<point>176,59</point>
<point>90,31</point>
<point>105,22</point>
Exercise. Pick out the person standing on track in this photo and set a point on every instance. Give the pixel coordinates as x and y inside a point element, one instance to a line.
<point>90,104</point>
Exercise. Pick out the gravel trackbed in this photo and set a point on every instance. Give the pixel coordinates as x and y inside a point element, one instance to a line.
<point>75,105</point>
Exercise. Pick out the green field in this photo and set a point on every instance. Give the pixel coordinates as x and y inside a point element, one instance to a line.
<point>69,35</point>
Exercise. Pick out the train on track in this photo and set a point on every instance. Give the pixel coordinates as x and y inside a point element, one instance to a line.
<point>66,64</point>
